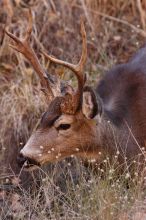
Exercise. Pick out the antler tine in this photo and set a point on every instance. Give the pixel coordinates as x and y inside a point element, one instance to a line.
<point>76,68</point>
<point>84,48</point>
<point>23,46</point>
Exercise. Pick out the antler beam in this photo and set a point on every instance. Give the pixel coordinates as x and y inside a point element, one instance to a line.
<point>78,68</point>
<point>51,85</point>
<point>23,46</point>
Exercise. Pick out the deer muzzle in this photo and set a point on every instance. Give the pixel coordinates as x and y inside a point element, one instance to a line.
<point>26,162</point>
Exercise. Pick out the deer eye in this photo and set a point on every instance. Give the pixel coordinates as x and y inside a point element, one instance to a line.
<point>63,126</point>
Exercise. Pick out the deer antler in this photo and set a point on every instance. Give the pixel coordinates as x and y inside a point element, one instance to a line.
<point>51,85</point>
<point>23,46</point>
<point>77,69</point>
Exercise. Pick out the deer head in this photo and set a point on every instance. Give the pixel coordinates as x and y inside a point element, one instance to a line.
<point>68,127</point>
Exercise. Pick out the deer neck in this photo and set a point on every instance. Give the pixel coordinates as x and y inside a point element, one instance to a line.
<point>109,139</point>
<point>101,142</point>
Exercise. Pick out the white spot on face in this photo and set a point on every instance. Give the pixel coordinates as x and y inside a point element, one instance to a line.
<point>41,147</point>
<point>77,149</point>
<point>52,149</point>
<point>72,155</point>
<point>57,157</point>
<point>49,152</point>
<point>40,155</point>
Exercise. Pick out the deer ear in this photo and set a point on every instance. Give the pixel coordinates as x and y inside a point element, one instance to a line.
<point>91,104</point>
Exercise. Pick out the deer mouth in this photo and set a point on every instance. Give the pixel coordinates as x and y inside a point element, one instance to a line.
<point>30,164</point>
<point>27,163</point>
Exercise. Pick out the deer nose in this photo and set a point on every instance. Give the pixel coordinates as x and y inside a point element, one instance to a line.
<point>21,159</point>
<point>26,161</point>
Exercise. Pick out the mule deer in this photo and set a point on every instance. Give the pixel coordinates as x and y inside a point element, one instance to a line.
<point>85,122</point>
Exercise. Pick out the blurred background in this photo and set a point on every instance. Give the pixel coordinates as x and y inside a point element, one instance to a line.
<point>115,30</point>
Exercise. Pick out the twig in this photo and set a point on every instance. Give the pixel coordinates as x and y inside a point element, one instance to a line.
<point>137,30</point>
<point>142,13</point>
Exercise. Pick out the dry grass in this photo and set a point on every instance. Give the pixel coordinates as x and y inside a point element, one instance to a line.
<point>115,29</point>
<point>81,194</point>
